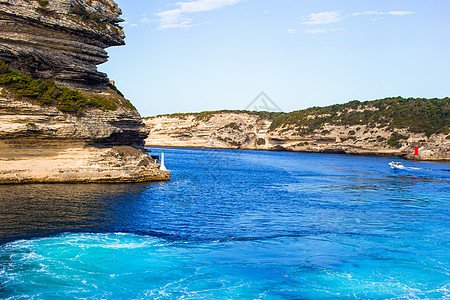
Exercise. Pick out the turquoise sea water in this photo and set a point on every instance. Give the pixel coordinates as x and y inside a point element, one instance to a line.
<point>235,225</point>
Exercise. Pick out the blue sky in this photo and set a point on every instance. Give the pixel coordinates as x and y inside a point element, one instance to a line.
<point>197,55</point>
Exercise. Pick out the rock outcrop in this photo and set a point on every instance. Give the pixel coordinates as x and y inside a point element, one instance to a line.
<point>24,123</point>
<point>242,130</point>
<point>60,119</point>
<point>62,40</point>
<point>77,164</point>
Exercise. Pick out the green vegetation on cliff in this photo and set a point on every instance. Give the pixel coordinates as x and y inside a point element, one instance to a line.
<point>207,115</point>
<point>47,93</point>
<point>418,115</point>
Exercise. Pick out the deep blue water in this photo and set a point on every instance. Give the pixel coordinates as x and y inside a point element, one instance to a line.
<point>235,225</point>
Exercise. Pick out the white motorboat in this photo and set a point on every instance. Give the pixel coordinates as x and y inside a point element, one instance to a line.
<point>396,165</point>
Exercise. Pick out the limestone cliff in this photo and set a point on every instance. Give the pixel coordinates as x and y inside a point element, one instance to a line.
<point>63,163</point>
<point>60,119</point>
<point>264,131</point>
<point>62,40</point>
<point>25,123</point>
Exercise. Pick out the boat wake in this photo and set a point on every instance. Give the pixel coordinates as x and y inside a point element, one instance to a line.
<point>400,166</point>
<point>131,266</point>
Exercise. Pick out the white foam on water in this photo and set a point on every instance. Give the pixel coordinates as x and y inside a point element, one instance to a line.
<point>133,266</point>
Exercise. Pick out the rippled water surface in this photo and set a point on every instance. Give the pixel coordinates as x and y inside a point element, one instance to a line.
<point>234,224</point>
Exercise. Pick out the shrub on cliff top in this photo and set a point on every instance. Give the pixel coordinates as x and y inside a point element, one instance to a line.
<point>43,2</point>
<point>48,93</point>
<point>115,89</point>
<point>396,140</point>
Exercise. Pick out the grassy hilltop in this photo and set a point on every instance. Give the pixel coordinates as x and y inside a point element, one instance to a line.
<point>418,115</point>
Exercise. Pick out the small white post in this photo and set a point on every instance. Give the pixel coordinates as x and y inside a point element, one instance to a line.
<point>163,167</point>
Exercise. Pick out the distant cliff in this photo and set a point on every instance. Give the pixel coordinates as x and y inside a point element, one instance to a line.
<point>392,127</point>
<point>60,119</point>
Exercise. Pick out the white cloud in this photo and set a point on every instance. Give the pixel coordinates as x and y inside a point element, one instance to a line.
<point>144,20</point>
<point>400,13</point>
<point>291,31</point>
<point>392,13</point>
<point>325,17</point>
<point>322,30</point>
<point>176,18</point>
<point>316,30</point>
<point>137,23</point>
<point>328,17</point>
<point>173,19</point>
<point>367,12</point>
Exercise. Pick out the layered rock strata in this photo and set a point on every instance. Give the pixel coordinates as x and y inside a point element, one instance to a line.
<point>48,133</point>
<point>62,40</point>
<point>41,144</point>
<point>44,145</point>
<point>23,123</point>
<point>231,130</point>
<point>77,164</point>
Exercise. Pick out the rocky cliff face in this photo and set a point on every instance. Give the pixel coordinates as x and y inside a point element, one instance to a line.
<point>70,128</point>
<point>62,40</point>
<point>69,164</point>
<point>23,123</point>
<point>251,131</point>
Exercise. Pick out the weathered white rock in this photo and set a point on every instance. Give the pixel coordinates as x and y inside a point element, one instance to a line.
<point>63,40</point>
<point>250,131</point>
<point>23,122</point>
<point>77,164</point>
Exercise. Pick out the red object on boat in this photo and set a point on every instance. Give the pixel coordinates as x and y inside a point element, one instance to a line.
<point>416,151</point>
